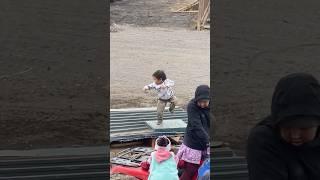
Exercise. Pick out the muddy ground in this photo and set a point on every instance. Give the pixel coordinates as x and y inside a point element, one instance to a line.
<point>256,43</point>
<point>53,74</point>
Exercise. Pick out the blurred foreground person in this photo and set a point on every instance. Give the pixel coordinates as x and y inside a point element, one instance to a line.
<point>286,145</point>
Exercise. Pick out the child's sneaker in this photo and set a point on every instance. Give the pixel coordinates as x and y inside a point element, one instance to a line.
<point>171,108</point>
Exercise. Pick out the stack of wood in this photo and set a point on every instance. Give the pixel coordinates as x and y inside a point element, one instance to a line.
<point>189,8</point>
<point>202,8</point>
<point>203,14</point>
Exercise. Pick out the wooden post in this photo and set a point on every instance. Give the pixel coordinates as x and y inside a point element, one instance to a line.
<point>199,14</point>
<point>203,13</point>
<point>206,15</point>
<point>153,143</point>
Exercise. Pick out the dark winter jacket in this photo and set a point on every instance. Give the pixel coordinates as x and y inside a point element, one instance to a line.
<point>196,134</point>
<point>271,158</point>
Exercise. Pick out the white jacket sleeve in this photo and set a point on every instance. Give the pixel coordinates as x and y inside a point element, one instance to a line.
<point>150,86</point>
<point>169,83</point>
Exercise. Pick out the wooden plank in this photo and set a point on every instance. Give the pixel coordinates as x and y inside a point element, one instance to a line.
<point>187,7</point>
<point>175,139</point>
<point>206,26</point>
<point>203,14</point>
<point>153,143</point>
<point>174,125</point>
<point>206,15</point>
<point>186,11</point>
<point>199,15</point>
<point>127,144</point>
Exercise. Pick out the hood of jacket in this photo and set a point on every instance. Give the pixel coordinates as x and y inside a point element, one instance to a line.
<point>296,101</point>
<point>202,92</point>
<point>296,95</point>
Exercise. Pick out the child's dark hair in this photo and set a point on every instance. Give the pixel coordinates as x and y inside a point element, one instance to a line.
<point>159,74</point>
<point>162,141</point>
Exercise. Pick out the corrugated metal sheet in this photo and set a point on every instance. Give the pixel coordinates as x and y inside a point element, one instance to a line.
<point>226,165</point>
<point>50,168</point>
<point>127,125</point>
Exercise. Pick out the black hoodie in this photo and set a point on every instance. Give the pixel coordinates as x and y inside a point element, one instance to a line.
<point>196,135</point>
<point>271,158</point>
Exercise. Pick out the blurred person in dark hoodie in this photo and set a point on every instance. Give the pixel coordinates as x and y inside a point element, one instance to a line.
<point>286,145</point>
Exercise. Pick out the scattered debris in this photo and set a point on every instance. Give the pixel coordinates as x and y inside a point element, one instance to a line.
<point>122,177</point>
<point>124,162</point>
<point>202,7</point>
<point>226,163</point>
<point>132,156</point>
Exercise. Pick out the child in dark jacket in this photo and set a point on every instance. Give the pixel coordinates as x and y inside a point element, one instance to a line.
<point>195,147</point>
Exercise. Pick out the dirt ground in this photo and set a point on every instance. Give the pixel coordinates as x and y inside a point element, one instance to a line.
<point>144,13</point>
<point>52,74</point>
<point>255,44</point>
<point>137,52</point>
<point>139,48</point>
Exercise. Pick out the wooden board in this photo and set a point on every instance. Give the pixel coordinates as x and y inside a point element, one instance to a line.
<point>173,125</point>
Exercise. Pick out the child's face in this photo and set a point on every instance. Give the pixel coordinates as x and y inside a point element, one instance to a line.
<point>203,103</point>
<point>157,81</point>
<point>298,136</point>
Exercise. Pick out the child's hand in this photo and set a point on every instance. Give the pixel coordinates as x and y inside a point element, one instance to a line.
<point>145,165</point>
<point>145,89</point>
